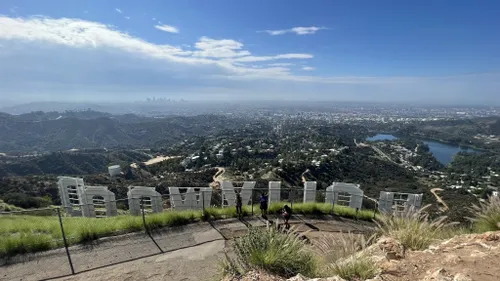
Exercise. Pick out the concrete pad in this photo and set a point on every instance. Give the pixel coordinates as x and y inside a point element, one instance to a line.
<point>35,267</point>
<point>192,264</point>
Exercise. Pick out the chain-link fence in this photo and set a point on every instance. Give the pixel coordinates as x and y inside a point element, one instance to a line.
<point>52,242</point>
<point>34,237</point>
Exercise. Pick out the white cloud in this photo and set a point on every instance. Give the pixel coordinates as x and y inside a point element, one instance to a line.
<point>153,19</point>
<point>41,56</point>
<point>127,18</point>
<point>167,28</point>
<point>118,10</point>
<point>277,57</point>
<point>306,30</point>
<point>308,68</point>
<point>297,30</point>
<point>223,48</point>
<point>280,64</point>
<point>80,34</point>
<point>75,33</point>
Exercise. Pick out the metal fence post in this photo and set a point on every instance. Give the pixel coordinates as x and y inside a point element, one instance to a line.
<point>333,202</point>
<point>146,227</point>
<point>143,215</point>
<point>251,201</point>
<point>203,200</point>
<point>65,241</point>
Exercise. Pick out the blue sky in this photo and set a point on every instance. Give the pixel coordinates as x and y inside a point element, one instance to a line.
<point>402,51</point>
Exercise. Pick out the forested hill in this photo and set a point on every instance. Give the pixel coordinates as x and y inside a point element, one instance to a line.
<point>471,132</point>
<point>69,163</point>
<point>49,132</point>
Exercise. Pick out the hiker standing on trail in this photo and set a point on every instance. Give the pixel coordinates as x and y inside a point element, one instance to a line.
<point>263,204</point>
<point>239,203</point>
<point>287,213</point>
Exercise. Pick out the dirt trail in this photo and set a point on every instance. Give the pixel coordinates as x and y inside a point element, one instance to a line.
<point>445,206</point>
<point>371,199</point>
<point>217,178</point>
<point>159,159</point>
<point>303,177</point>
<point>384,155</point>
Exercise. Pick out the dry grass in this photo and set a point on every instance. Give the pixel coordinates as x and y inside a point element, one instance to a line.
<point>342,256</point>
<point>487,215</point>
<point>413,228</point>
<point>273,251</point>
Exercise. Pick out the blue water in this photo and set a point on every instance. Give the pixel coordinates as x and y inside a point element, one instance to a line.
<point>443,152</point>
<point>378,137</point>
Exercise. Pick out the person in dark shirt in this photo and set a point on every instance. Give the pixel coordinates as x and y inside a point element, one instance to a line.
<point>287,213</point>
<point>263,204</point>
<point>239,204</point>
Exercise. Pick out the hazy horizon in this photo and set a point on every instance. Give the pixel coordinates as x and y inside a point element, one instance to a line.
<point>95,105</point>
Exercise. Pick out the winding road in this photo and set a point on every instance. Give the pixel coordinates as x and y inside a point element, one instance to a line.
<point>445,206</point>
<point>303,177</point>
<point>215,184</point>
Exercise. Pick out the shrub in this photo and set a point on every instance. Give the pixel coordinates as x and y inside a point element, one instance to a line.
<point>487,215</point>
<point>281,253</point>
<point>412,228</point>
<point>26,201</point>
<point>164,219</point>
<point>354,267</point>
<point>25,243</point>
<point>340,256</point>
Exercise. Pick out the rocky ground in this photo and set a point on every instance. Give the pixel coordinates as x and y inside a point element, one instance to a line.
<point>471,257</point>
<point>463,258</point>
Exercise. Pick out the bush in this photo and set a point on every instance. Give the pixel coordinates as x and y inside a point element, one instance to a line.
<point>355,268</point>
<point>281,253</point>
<point>340,256</point>
<point>487,215</point>
<point>26,201</point>
<point>25,243</point>
<point>313,208</point>
<point>413,229</point>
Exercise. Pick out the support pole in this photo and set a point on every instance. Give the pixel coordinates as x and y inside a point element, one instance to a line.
<point>144,216</point>
<point>65,241</point>
<point>251,201</point>
<point>333,202</point>
<point>203,200</point>
<point>146,227</point>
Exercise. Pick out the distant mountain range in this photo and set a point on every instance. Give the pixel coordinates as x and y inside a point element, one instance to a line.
<point>143,108</point>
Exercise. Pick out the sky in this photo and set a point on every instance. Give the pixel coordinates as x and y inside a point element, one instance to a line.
<point>386,51</point>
